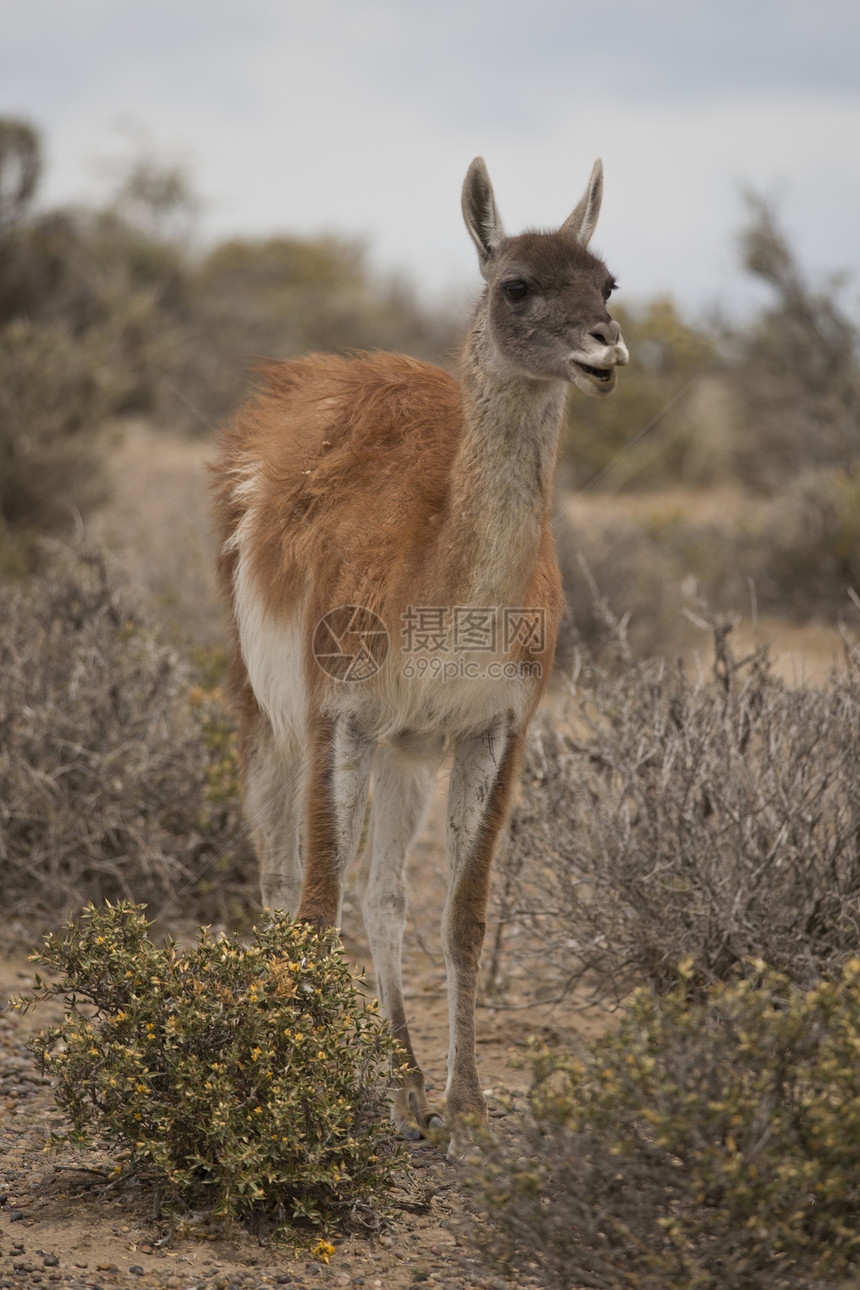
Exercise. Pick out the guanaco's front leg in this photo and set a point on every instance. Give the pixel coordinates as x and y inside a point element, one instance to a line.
<point>482,777</point>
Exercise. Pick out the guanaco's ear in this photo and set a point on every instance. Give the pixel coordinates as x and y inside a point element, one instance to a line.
<point>583,220</point>
<point>480,213</point>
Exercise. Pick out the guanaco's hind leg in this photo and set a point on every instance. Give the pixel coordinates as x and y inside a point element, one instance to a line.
<point>272,786</point>
<point>403,779</point>
<point>337,779</point>
<point>483,774</point>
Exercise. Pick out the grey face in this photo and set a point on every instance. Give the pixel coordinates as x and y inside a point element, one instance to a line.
<point>547,311</point>
<point>547,293</point>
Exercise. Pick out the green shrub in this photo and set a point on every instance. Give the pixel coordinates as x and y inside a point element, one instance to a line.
<point>248,1078</point>
<point>711,1144</point>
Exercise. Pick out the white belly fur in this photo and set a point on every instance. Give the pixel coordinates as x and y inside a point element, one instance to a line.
<point>384,705</point>
<point>273,655</point>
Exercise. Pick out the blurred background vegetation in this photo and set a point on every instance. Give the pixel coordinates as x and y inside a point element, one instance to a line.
<point>104,311</point>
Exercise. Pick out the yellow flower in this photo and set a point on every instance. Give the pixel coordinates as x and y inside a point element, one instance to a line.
<point>323,1250</point>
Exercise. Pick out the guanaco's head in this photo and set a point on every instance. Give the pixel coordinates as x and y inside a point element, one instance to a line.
<point>547,292</point>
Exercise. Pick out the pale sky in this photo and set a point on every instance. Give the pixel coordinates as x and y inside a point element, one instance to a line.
<point>361,117</point>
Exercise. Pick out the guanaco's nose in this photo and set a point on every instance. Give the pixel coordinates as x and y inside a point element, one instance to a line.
<point>608,332</point>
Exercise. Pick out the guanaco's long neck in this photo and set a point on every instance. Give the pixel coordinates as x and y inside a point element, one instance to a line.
<point>503,477</point>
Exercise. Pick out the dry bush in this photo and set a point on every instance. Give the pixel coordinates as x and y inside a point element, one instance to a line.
<point>636,573</point>
<point>121,294</point>
<point>709,1143</point>
<point>679,817</point>
<point>807,558</point>
<point>52,403</point>
<point>650,570</point>
<point>797,555</point>
<point>117,777</point>
<point>639,569</point>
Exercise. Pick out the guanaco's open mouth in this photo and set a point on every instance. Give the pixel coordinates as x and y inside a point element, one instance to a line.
<point>600,373</point>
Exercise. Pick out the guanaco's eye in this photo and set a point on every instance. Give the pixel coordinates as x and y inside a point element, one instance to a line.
<point>609,288</point>
<point>515,290</point>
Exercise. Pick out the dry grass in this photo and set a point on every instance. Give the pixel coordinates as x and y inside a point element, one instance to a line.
<point>115,774</point>
<point>683,817</point>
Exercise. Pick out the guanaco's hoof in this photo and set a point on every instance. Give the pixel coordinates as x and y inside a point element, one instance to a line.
<point>420,1121</point>
<point>463,1151</point>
